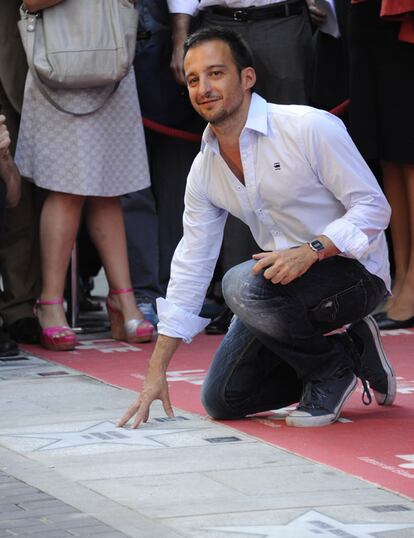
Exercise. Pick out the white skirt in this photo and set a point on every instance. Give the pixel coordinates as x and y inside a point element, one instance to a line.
<point>102,154</point>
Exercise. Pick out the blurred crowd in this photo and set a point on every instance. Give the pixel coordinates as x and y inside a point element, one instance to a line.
<point>121,197</point>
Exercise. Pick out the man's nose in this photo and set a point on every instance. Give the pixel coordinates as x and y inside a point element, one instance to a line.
<point>204,86</point>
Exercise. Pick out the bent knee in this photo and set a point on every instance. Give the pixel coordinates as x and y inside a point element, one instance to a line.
<point>239,284</point>
<point>216,406</point>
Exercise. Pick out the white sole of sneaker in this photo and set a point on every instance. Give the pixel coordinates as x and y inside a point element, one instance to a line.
<point>380,398</point>
<point>302,419</point>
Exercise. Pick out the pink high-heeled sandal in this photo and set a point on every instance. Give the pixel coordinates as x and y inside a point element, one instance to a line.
<point>133,330</point>
<point>58,338</point>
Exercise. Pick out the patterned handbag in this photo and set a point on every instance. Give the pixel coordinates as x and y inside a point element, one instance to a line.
<point>80,44</point>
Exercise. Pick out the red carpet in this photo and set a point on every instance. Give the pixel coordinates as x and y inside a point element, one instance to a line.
<point>375,443</point>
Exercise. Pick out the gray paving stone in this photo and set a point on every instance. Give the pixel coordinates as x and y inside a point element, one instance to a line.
<point>52,511</point>
<point>109,534</point>
<point>46,505</point>
<point>39,514</point>
<point>37,495</point>
<point>40,533</point>
<point>15,490</point>
<point>93,530</point>
<point>264,481</point>
<point>52,533</point>
<point>243,455</point>
<point>78,520</point>
<point>5,479</point>
<point>19,523</point>
<point>9,508</point>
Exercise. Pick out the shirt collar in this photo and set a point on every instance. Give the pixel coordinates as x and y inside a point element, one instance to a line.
<point>256,121</point>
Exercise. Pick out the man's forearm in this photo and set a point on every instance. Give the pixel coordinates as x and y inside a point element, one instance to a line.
<point>180,27</point>
<point>163,353</point>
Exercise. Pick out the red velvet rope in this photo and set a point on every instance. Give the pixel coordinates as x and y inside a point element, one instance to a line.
<point>170,131</point>
<point>195,137</point>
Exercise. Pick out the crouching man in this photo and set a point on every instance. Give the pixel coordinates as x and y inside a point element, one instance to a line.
<point>293,175</point>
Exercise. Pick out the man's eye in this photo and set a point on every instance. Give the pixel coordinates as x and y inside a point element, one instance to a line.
<point>192,81</point>
<point>216,73</point>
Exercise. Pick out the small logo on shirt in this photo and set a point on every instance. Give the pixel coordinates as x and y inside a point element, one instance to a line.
<point>276,166</point>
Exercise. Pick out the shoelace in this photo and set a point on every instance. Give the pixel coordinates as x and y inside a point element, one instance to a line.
<point>360,371</point>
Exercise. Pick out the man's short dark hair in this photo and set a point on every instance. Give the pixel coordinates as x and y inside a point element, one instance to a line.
<point>240,50</point>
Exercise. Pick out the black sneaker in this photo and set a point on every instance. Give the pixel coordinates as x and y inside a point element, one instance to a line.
<point>322,401</point>
<point>374,366</point>
<point>25,331</point>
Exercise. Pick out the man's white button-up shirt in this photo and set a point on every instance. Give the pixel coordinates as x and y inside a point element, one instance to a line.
<point>303,177</point>
<point>191,7</point>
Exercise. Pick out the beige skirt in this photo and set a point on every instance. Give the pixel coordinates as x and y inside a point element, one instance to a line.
<point>102,154</point>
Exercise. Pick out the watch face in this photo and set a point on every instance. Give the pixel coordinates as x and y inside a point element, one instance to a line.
<point>317,245</point>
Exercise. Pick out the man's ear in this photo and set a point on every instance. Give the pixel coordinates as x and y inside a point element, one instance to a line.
<point>248,75</point>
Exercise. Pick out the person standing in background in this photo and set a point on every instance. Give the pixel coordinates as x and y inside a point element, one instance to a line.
<point>19,249</point>
<point>381,120</point>
<point>85,163</point>
<point>153,216</point>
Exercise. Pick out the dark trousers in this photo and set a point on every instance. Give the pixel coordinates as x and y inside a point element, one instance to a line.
<point>19,248</point>
<point>153,217</point>
<point>278,339</point>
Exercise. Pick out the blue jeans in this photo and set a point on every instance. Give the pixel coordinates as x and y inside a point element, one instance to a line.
<point>278,339</point>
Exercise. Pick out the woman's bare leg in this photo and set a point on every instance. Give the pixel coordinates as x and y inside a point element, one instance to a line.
<point>395,188</point>
<point>59,223</point>
<point>402,307</point>
<point>107,230</point>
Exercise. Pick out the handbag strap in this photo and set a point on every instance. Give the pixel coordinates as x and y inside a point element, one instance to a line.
<point>30,36</point>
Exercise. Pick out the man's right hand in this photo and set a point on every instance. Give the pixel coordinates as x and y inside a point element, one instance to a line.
<point>317,15</point>
<point>8,170</point>
<point>155,388</point>
<point>155,384</point>
<point>180,26</point>
<point>176,64</point>
<point>4,137</point>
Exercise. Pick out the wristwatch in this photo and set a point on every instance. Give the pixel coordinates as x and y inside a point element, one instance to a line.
<point>317,246</point>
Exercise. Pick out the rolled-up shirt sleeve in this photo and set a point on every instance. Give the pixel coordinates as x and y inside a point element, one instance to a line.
<point>341,168</point>
<point>189,7</point>
<point>193,262</point>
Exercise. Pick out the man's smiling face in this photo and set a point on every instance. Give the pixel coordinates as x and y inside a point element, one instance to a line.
<point>215,86</point>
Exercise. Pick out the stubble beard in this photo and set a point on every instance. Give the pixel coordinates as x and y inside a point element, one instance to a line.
<point>222,116</point>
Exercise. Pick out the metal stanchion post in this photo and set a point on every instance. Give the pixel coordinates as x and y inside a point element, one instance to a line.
<point>73,302</point>
<point>80,326</point>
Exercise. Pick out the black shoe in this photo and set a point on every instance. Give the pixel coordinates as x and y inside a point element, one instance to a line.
<point>221,323</point>
<point>375,366</point>
<point>8,347</point>
<point>88,304</point>
<point>322,400</point>
<point>388,324</point>
<point>25,331</point>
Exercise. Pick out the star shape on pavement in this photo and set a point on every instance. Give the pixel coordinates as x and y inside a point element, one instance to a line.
<point>103,433</point>
<point>313,524</point>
